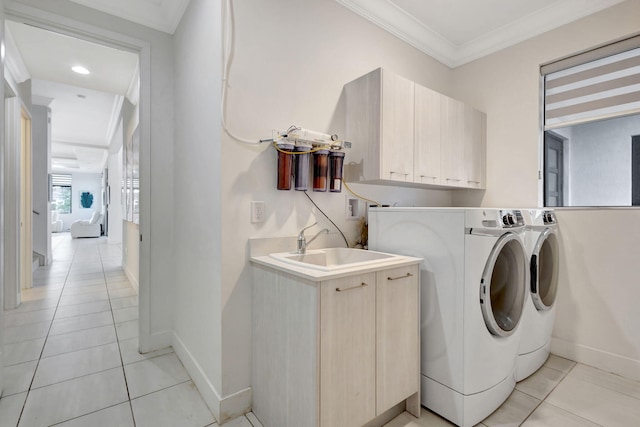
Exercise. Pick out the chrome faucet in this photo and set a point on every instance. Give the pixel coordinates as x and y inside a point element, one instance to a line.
<point>302,241</point>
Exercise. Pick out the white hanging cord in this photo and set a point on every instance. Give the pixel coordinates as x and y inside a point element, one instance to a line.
<point>227,49</point>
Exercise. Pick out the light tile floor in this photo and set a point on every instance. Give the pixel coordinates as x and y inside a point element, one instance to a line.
<point>71,351</point>
<point>562,393</point>
<point>71,359</point>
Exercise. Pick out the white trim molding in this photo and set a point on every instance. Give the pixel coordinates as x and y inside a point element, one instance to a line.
<point>224,408</point>
<point>609,362</point>
<point>387,15</point>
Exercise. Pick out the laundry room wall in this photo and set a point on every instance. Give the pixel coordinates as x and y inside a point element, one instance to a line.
<point>289,64</point>
<point>597,316</point>
<point>294,75</point>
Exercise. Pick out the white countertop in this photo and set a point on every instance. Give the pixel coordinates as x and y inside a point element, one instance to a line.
<point>319,275</point>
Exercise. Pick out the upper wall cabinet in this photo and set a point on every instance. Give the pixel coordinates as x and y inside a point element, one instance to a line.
<point>380,114</point>
<point>404,132</point>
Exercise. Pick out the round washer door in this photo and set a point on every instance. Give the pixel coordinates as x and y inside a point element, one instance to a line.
<point>503,286</point>
<point>544,270</point>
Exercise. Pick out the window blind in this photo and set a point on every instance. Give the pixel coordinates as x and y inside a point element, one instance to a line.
<point>596,89</point>
<point>61,179</point>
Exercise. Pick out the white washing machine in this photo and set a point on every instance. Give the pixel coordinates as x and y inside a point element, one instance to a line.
<point>473,289</point>
<point>541,242</point>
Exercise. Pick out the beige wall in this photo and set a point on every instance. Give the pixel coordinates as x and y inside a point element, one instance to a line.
<point>198,245</point>
<point>283,75</point>
<point>131,252</point>
<point>597,316</point>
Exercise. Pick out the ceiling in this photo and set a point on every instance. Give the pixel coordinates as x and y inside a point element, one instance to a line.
<point>452,31</point>
<point>161,15</point>
<point>459,31</point>
<point>84,108</point>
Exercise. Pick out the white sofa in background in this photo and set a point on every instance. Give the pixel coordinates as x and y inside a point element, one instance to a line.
<point>87,228</point>
<point>56,222</point>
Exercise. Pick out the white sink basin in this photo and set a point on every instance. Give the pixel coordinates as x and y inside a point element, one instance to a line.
<point>333,258</point>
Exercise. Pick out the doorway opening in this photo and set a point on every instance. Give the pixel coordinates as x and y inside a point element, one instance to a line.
<point>85,132</point>
<point>553,170</point>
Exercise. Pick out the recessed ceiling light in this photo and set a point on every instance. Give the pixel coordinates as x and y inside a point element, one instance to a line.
<point>80,69</point>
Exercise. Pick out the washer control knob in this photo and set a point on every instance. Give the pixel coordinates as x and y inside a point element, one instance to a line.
<point>509,219</point>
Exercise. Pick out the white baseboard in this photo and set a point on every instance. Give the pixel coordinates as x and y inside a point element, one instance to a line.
<point>223,408</point>
<point>160,340</point>
<point>609,362</point>
<point>132,279</point>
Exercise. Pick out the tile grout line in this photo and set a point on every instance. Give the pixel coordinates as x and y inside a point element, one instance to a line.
<point>573,414</point>
<point>46,337</point>
<point>124,374</point>
<point>548,394</point>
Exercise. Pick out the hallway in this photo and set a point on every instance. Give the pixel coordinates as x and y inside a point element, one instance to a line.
<point>71,351</point>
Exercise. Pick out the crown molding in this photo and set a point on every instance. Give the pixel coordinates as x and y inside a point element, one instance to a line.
<point>393,19</point>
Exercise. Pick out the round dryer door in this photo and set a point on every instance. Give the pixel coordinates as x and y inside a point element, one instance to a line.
<point>503,286</point>
<point>544,270</point>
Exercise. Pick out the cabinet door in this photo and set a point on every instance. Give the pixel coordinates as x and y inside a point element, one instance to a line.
<point>452,144</point>
<point>475,141</point>
<point>426,166</point>
<point>396,151</point>
<point>398,336</point>
<point>347,351</point>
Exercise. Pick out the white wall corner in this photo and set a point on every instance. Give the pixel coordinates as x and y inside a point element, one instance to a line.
<point>132,278</point>
<point>223,408</point>
<point>133,91</point>
<point>14,63</point>
<point>114,119</point>
<point>44,101</point>
<point>608,362</point>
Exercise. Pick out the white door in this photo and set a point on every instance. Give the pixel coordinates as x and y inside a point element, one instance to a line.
<point>544,270</point>
<point>503,286</point>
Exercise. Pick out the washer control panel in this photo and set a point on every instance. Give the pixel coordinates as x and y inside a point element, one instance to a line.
<point>511,218</point>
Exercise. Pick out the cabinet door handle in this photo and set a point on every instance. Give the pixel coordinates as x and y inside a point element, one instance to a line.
<point>451,179</point>
<point>399,173</point>
<point>400,277</point>
<point>474,182</point>
<point>361,285</point>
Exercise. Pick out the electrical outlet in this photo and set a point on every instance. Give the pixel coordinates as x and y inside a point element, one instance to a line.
<point>352,208</point>
<point>258,213</point>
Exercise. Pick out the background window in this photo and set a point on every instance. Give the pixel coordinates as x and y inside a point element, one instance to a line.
<point>591,120</point>
<point>61,193</point>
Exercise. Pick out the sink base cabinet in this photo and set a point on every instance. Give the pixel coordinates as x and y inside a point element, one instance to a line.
<point>338,352</point>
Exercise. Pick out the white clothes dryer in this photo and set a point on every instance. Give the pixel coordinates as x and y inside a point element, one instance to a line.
<point>473,289</point>
<point>541,241</point>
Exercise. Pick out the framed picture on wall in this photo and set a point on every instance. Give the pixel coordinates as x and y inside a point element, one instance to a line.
<point>86,199</point>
